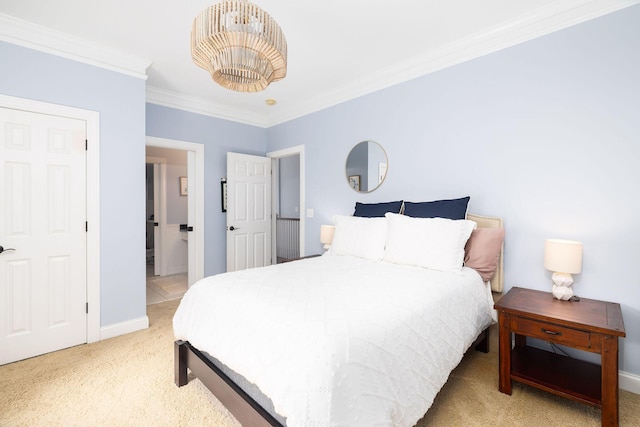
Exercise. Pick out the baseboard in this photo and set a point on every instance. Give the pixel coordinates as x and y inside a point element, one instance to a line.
<point>629,382</point>
<point>124,327</point>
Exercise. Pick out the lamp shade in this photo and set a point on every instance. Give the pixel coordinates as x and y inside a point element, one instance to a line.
<point>326,234</point>
<point>563,256</point>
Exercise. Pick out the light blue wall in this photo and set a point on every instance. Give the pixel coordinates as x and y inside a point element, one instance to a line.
<point>119,99</point>
<point>219,137</point>
<point>176,204</point>
<point>289,187</point>
<point>545,134</point>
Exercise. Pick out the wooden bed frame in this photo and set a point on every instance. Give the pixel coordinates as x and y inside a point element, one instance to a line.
<point>246,410</point>
<point>243,407</point>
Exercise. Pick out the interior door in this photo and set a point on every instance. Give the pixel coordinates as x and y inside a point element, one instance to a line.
<point>43,267</point>
<point>191,216</point>
<point>248,211</point>
<point>157,216</point>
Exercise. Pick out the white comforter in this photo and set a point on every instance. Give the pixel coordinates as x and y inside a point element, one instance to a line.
<point>338,340</point>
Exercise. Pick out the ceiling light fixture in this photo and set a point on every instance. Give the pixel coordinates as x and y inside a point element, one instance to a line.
<point>240,45</point>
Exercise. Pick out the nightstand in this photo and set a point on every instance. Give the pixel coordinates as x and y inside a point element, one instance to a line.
<point>588,325</point>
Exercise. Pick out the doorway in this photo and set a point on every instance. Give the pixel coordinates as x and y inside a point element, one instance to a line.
<point>178,237</point>
<point>290,163</point>
<point>286,172</point>
<point>166,224</point>
<point>296,152</point>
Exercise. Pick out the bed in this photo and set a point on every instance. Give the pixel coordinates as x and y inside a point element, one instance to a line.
<point>340,339</point>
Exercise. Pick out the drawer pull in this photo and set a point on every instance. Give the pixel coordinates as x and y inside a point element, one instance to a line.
<point>556,333</point>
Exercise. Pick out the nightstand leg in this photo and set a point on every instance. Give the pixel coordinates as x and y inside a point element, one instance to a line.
<point>610,381</point>
<point>504,350</point>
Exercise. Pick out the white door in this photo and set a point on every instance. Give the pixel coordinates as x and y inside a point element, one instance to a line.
<point>248,211</point>
<point>157,216</point>
<point>191,215</point>
<point>43,284</point>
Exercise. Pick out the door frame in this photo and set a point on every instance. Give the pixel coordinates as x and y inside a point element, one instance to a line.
<point>278,154</point>
<point>195,166</point>
<point>160,214</point>
<point>92,120</point>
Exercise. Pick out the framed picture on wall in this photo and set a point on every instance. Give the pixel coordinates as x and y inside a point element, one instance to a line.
<point>183,186</point>
<point>354,182</point>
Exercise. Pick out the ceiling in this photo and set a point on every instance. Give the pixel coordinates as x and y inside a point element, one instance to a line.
<point>337,49</point>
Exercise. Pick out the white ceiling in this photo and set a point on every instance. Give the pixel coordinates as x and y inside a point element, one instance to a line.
<point>337,49</point>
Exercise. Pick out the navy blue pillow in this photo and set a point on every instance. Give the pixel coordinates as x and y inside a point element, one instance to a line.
<point>370,210</point>
<point>452,209</point>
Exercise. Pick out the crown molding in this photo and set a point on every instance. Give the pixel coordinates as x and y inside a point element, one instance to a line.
<point>166,98</point>
<point>556,16</point>
<point>32,36</point>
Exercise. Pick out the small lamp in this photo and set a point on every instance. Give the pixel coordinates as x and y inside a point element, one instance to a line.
<point>564,258</point>
<point>326,235</point>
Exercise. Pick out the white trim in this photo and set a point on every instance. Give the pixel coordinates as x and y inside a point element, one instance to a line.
<point>162,221</point>
<point>629,382</point>
<point>92,119</point>
<point>93,233</point>
<point>196,263</point>
<point>32,36</point>
<point>275,209</point>
<point>292,151</point>
<point>209,108</point>
<point>125,327</point>
<point>554,17</point>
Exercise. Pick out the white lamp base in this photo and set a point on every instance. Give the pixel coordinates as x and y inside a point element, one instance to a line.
<point>562,292</point>
<point>562,286</point>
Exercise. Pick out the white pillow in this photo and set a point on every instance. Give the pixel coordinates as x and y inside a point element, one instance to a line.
<point>435,243</point>
<point>360,237</point>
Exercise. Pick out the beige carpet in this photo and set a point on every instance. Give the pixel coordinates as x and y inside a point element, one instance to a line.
<point>128,381</point>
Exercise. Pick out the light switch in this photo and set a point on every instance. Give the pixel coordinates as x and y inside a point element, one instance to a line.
<point>309,213</point>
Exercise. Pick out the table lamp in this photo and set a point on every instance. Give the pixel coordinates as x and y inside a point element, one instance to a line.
<point>326,235</point>
<point>564,258</point>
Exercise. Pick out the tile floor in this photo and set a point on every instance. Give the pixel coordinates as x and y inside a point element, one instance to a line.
<point>164,288</point>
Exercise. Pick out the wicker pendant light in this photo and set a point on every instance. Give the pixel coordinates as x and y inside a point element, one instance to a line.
<point>240,45</point>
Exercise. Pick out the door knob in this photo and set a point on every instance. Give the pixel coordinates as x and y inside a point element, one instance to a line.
<point>4,250</point>
<point>233,228</point>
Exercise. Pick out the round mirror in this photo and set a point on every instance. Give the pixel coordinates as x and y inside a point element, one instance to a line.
<point>366,166</point>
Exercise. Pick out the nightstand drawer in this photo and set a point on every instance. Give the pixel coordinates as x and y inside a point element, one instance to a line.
<point>553,333</point>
